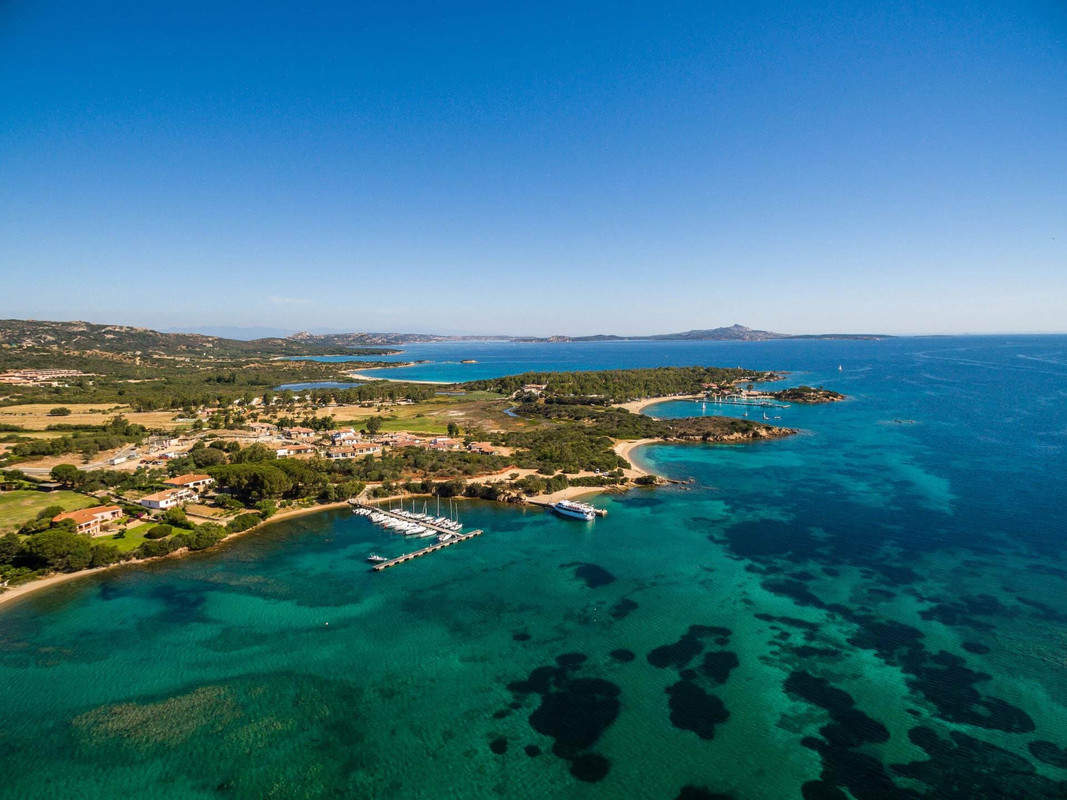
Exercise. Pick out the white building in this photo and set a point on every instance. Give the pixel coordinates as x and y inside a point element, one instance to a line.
<point>190,481</point>
<point>161,501</point>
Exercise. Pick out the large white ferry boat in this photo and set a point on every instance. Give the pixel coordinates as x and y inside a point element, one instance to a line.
<point>569,508</point>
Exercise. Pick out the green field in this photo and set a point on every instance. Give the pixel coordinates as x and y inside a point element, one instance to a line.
<point>416,425</point>
<point>21,506</point>
<point>134,536</point>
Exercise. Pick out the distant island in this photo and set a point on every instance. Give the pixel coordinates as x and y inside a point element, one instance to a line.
<point>77,336</point>
<point>733,333</point>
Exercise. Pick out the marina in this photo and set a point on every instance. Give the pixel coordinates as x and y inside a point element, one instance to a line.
<point>447,530</point>
<point>738,400</point>
<point>433,548</point>
<point>410,523</point>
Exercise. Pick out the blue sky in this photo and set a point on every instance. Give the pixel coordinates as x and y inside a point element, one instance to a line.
<point>536,168</point>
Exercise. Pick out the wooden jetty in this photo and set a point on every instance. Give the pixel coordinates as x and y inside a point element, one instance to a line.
<point>433,548</point>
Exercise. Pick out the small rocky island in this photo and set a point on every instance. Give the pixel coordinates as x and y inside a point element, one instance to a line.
<point>807,394</point>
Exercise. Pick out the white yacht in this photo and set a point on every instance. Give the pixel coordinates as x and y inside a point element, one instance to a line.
<point>569,508</point>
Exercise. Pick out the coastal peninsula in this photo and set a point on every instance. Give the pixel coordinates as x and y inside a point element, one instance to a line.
<point>164,483</point>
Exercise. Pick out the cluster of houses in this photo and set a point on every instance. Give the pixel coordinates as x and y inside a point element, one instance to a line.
<point>37,377</point>
<point>96,521</point>
<point>294,442</point>
<point>184,489</point>
<point>347,443</point>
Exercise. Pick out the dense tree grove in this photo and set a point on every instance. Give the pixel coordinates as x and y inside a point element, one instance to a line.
<point>581,437</point>
<point>85,439</point>
<point>620,385</point>
<point>253,478</point>
<point>564,449</point>
<point>60,549</point>
<point>604,421</point>
<point>373,392</point>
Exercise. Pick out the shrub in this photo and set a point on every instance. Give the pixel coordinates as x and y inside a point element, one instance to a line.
<point>228,502</point>
<point>59,411</point>
<point>49,512</point>
<point>488,491</point>
<point>104,554</point>
<point>267,508</point>
<point>158,532</point>
<point>243,522</point>
<point>203,536</point>
<point>175,516</point>
<point>154,548</point>
<point>452,488</point>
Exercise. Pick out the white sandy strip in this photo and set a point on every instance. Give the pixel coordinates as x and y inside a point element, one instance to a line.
<point>359,376</point>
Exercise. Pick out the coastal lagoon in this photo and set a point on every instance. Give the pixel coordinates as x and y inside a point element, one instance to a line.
<point>876,606</point>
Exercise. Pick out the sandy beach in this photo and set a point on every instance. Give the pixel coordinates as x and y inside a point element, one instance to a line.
<point>638,406</point>
<point>624,448</point>
<point>359,376</point>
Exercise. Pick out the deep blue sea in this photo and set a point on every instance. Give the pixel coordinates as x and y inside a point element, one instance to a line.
<point>875,608</point>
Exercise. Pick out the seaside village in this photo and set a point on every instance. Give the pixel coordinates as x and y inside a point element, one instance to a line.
<point>291,442</point>
<point>189,499</point>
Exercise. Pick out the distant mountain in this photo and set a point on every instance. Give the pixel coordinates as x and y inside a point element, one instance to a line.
<point>24,335</point>
<point>86,336</point>
<point>734,333</point>
<point>235,332</point>
<point>382,339</point>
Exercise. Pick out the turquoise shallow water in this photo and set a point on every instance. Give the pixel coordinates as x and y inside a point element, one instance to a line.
<point>876,607</point>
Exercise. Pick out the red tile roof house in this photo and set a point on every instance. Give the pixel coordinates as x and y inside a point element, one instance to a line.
<point>340,453</point>
<point>344,436</point>
<point>160,501</point>
<point>299,433</point>
<point>302,450</point>
<point>406,441</point>
<point>444,443</point>
<point>190,481</point>
<point>485,448</point>
<point>352,451</point>
<point>91,520</point>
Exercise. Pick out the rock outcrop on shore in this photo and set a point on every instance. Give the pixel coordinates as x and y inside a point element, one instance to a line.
<point>807,394</point>
<point>721,429</point>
